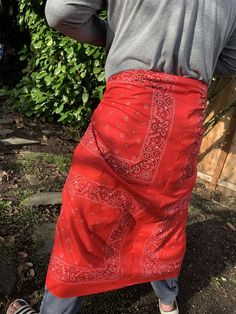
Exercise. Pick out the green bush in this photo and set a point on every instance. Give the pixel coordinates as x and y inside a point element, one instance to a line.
<point>63,79</point>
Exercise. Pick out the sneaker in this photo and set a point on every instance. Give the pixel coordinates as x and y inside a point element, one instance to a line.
<point>174,311</point>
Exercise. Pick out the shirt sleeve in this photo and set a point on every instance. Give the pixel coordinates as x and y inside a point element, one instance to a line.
<point>226,65</point>
<point>77,19</point>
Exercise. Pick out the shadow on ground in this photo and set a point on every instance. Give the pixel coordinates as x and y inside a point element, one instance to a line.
<point>207,279</point>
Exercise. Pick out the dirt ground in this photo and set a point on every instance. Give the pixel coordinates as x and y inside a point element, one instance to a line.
<point>208,278</point>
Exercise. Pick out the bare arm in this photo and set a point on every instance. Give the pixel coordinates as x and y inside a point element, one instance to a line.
<point>226,64</point>
<point>77,19</point>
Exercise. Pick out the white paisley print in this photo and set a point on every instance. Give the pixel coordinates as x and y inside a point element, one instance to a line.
<point>151,263</point>
<point>158,129</point>
<point>124,213</point>
<point>109,268</point>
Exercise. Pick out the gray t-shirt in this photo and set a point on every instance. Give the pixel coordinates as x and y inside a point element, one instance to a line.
<point>191,38</point>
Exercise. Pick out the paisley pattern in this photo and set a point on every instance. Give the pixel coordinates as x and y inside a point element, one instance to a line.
<point>190,169</point>
<point>107,268</point>
<point>119,223</point>
<point>158,127</point>
<point>151,262</point>
<point>82,187</point>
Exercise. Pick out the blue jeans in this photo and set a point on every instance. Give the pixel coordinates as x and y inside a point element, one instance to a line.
<point>166,291</point>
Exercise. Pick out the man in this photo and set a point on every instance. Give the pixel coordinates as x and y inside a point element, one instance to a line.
<point>125,201</point>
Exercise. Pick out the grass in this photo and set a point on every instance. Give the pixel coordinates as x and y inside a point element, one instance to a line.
<point>31,161</point>
<point>216,281</point>
<point>4,205</point>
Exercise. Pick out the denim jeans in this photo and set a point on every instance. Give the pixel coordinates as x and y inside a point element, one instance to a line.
<point>165,290</point>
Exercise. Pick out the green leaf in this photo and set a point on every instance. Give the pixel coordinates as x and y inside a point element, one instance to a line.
<point>83,74</point>
<point>90,50</point>
<point>41,75</point>
<point>23,57</point>
<point>57,70</point>
<point>59,109</point>
<point>97,70</point>
<point>50,42</point>
<point>101,76</point>
<point>85,97</point>
<point>38,44</point>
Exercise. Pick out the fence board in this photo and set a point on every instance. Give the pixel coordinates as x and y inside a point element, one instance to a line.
<point>229,171</point>
<point>217,160</point>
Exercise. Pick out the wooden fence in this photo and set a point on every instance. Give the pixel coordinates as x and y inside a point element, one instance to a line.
<point>217,160</point>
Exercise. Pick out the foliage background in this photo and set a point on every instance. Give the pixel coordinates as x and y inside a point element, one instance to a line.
<point>62,80</point>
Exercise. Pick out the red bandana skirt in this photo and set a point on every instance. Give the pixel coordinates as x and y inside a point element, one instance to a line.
<point>126,197</point>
